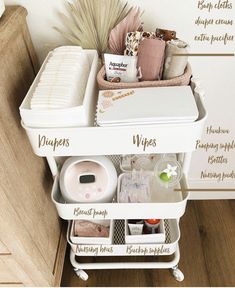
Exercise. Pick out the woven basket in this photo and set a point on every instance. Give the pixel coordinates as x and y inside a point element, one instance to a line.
<point>183,80</point>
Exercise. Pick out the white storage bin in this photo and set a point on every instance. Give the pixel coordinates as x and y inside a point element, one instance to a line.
<point>69,117</point>
<point>157,238</point>
<point>171,208</point>
<point>93,240</point>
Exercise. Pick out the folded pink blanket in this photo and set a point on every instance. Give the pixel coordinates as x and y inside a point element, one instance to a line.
<point>151,59</point>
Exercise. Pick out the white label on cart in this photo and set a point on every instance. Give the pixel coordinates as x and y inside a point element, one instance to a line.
<point>143,142</point>
<point>54,143</point>
<point>94,213</point>
<point>94,250</point>
<point>140,250</point>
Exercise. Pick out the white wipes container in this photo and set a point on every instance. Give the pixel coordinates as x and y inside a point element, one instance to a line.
<point>147,106</point>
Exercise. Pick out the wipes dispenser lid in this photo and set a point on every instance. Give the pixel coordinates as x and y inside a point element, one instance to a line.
<point>168,171</point>
<point>88,180</point>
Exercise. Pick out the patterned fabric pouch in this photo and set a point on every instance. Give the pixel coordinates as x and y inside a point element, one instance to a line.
<point>133,40</point>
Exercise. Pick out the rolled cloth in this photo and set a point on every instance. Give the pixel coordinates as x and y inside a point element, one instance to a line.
<point>175,65</point>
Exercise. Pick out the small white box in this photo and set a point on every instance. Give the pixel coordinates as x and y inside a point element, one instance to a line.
<point>157,238</point>
<point>80,116</point>
<point>2,8</point>
<point>93,240</point>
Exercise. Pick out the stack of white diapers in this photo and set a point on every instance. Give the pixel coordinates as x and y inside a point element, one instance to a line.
<point>63,81</point>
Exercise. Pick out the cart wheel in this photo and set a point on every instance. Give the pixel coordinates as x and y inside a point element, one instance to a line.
<point>82,274</point>
<point>178,274</point>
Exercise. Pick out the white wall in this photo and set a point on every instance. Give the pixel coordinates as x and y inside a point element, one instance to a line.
<point>216,74</point>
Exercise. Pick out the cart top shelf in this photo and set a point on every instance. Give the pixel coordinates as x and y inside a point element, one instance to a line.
<point>93,140</point>
<point>139,139</point>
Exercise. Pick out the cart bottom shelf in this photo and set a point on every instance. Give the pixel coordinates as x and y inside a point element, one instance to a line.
<point>119,248</point>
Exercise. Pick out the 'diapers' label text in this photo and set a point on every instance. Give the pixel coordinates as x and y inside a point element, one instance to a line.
<point>43,141</point>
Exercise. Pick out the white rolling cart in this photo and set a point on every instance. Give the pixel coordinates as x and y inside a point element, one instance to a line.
<point>115,141</point>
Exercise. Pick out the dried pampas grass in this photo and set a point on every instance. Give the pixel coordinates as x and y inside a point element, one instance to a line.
<point>90,22</point>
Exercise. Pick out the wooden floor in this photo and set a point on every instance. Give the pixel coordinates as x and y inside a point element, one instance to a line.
<point>207,253</point>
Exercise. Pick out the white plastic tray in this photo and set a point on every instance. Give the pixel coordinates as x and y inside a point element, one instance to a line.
<point>119,248</point>
<point>170,138</point>
<point>171,209</point>
<point>69,117</point>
